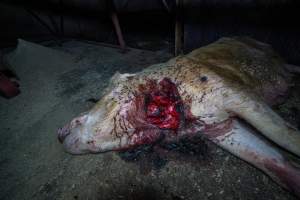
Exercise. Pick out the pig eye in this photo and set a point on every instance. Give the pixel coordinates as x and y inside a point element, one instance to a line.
<point>90,142</point>
<point>203,78</point>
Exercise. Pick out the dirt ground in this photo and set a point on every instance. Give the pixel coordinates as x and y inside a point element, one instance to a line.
<point>56,86</point>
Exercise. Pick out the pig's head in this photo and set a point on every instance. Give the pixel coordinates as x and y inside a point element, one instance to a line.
<point>128,115</point>
<point>91,132</point>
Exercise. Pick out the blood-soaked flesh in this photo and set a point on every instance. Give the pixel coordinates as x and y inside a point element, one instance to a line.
<point>158,106</point>
<point>162,108</point>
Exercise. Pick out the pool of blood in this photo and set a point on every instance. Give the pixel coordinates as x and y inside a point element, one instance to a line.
<point>163,105</point>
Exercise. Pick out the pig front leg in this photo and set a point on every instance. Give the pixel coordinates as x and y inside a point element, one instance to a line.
<point>243,142</point>
<point>263,118</point>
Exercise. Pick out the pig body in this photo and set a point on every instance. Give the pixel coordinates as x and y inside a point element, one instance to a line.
<point>207,92</point>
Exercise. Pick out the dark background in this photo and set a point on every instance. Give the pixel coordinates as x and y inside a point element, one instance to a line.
<point>150,24</point>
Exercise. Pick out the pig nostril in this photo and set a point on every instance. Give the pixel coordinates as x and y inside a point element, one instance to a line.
<point>63,133</point>
<point>62,137</point>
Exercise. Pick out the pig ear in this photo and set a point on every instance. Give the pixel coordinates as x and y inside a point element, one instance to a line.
<point>118,77</point>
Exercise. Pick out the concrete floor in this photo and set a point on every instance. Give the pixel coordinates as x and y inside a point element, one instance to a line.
<point>56,85</point>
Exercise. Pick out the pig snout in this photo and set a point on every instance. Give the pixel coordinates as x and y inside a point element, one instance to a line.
<point>63,132</point>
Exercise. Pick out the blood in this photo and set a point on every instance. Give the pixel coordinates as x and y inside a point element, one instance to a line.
<point>158,111</point>
<point>163,105</point>
<point>287,174</point>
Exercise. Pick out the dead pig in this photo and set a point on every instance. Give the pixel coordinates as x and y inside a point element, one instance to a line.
<point>222,91</point>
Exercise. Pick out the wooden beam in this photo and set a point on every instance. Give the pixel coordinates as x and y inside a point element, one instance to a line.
<point>117,27</point>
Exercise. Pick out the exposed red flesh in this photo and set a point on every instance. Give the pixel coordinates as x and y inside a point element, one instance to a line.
<point>158,111</point>
<point>157,106</point>
<point>163,104</point>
